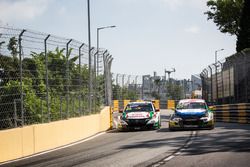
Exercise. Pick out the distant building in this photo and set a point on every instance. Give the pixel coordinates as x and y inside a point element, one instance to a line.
<point>196,82</point>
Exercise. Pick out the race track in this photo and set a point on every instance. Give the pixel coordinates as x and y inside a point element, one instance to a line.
<point>227,145</point>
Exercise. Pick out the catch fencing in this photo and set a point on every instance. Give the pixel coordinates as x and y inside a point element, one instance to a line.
<point>127,87</point>
<point>46,78</point>
<point>228,81</point>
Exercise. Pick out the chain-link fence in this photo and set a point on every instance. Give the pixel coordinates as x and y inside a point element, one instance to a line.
<point>228,81</point>
<point>126,87</point>
<point>46,78</point>
<point>147,87</point>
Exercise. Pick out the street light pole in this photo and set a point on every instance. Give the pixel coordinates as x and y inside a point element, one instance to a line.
<point>217,55</point>
<point>97,45</point>
<point>90,73</point>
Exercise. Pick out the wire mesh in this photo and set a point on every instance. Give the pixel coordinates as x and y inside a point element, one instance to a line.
<point>45,78</point>
<point>228,81</point>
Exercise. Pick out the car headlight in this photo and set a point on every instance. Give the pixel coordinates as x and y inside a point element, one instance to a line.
<point>206,114</point>
<point>152,121</point>
<point>176,118</point>
<point>123,122</point>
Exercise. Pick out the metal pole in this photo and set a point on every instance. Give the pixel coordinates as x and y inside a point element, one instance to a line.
<point>109,86</point>
<point>94,93</point>
<point>107,77</point>
<point>104,72</point>
<point>217,55</point>
<point>41,102</point>
<point>216,80</point>
<point>67,74</point>
<point>117,86</point>
<point>97,45</point>
<point>80,77</point>
<point>15,113</point>
<point>206,83</point>
<point>122,85</point>
<point>21,72</point>
<point>222,82</point>
<point>229,77</point>
<point>136,83</point>
<point>245,69</point>
<point>90,72</point>
<point>47,76</point>
<point>211,90</point>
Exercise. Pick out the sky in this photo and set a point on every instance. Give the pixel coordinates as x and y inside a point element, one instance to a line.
<point>150,35</point>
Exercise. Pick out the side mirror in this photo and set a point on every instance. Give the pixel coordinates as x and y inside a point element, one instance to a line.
<point>157,110</point>
<point>120,110</point>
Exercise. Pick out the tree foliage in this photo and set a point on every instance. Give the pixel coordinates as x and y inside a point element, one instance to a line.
<point>66,79</point>
<point>174,91</point>
<point>243,40</point>
<point>225,14</point>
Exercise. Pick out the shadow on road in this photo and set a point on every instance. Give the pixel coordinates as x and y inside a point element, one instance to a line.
<point>226,137</point>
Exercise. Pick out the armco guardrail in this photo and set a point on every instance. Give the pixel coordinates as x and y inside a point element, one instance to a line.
<point>235,113</point>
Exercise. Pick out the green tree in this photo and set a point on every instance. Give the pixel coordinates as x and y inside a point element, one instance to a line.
<point>12,46</point>
<point>225,14</point>
<point>243,40</point>
<point>174,91</point>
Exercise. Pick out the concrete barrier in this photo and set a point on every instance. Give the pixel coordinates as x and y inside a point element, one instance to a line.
<point>235,113</point>
<point>21,142</point>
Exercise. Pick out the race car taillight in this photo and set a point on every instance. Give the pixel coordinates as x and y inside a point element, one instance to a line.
<point>154,115</point>
<point>147,115</point>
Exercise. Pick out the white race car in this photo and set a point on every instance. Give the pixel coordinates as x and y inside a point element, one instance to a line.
<point>140,115</point>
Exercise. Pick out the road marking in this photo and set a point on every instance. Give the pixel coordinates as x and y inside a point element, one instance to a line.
<point>183,148</point>
<point>54,149</point>
<point>169,158</point>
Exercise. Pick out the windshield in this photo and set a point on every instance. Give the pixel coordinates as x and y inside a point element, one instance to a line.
<point>138,107</point>
<point>193,105</point>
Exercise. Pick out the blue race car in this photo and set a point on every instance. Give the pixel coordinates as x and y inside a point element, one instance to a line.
<point>191,113</point>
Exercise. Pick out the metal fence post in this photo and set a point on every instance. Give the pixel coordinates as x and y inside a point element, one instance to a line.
<point>123,76</point>
<point>105,77</point>
<point>61,107</point>
<point>245,75</point>
<point>216,80</point>
<point>229,78</point>
<point>47,76</point>
<point>211,84</point>
<point>90,80</point>
<point>41,103</point>
<point>136,77</point>
<point>21,73</point>
<point>109,86</point>
<point>67,74</point>
<point>222,82</point>
<point>80,77</point>
<point>206,83</point>
<point>15,113</point>
<point>94,90</point>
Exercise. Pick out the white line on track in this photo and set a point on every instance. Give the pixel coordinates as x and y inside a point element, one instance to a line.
<point>54,149</point>
<point>194,133</point>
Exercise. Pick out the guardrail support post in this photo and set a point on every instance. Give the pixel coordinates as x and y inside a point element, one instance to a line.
<point>21,72</point>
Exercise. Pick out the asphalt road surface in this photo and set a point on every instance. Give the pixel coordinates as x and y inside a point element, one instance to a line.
<point>226,145</point>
